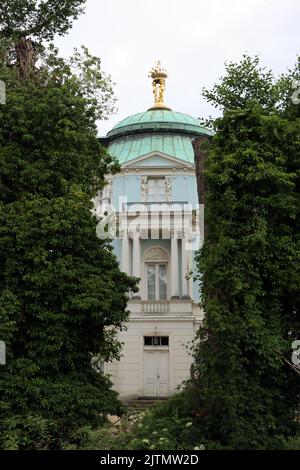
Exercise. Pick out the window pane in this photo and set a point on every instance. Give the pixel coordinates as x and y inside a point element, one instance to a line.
<point>151,183</point>
<point>162,196</point>
<point>161,190</point>
<point>162,282</point>
<point>151,190</point>
<point>151,197</point>
<point>156,340</point>
<point>151,281</point>
<point>156,190</point>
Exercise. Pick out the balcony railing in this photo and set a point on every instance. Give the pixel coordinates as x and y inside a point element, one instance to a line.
<point>176,307</point>
<point>171,206</point>
<point>155,306</point>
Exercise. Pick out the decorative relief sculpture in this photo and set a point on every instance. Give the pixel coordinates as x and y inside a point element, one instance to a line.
<point>109,188</point>
<point>157,254</point>
<point>144,188</point>
<point>168,185</point>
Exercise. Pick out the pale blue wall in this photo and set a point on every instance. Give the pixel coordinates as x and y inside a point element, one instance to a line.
<point>184,188</point>
<point>129,186</point>
<point>117,244</point>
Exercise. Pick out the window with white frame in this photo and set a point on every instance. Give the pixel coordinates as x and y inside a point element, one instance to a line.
<point>156,273</point>
<point>156,190</point>
<point>157,281</point>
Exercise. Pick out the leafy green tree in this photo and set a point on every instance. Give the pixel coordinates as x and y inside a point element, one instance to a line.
<point>288,87</point>
<point>249,264</point>
<point>38,19</point>
<point>62,294</point>
<point>28,22</point>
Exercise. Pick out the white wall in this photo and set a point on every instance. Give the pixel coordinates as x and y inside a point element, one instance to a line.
<point>128,375</point>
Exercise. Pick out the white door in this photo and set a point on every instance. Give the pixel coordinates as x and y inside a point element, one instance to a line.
<point>156,373</point>
<point>162,373</point>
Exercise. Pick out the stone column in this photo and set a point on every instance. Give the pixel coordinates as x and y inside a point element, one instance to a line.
<point>136,260</point>
<point>190,268</point>
<point>174,269</point>
<point>125,255</point>
<point>184,268</point>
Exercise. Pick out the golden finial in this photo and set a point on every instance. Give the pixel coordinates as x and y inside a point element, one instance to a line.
<point>158,75</point>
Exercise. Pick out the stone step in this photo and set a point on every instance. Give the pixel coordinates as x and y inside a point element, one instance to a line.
<point>143,402</point>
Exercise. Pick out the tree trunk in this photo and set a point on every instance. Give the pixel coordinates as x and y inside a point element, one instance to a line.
<point>26,58</point>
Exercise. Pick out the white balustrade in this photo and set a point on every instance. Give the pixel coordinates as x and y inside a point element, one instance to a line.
<point>155,306</point>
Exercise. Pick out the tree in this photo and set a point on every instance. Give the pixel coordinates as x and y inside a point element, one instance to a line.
<point>249,264</point>
<point>27,22</point>
<point>62,294</point>
<point>40,19</point>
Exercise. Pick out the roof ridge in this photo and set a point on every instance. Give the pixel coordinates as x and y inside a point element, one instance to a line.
<point>157,115</point>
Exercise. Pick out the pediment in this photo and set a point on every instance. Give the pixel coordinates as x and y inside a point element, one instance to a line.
<point>156,160</point>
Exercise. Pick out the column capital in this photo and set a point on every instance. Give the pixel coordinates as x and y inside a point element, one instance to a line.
<point>135,235</point>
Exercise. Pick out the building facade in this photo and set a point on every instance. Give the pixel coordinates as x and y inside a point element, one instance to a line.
<point>158,226</point>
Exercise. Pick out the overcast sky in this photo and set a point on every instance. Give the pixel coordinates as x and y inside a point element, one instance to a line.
<point>192,38</point>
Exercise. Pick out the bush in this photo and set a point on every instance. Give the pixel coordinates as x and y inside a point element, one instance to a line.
<point>293,443</point>
<point>27,432</point>
<point>168,426</point>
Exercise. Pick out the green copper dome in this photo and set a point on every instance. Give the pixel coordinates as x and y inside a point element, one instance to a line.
<point>159,130</point>
<point>158,119</point>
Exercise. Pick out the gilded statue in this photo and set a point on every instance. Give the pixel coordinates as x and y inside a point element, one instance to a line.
<point>158,75</point>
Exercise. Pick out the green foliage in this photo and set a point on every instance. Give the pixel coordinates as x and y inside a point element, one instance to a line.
<point>163,427</point>
<point>49,126</point>
<point>42,19</point>
<point>245,83</point>
<point>249,265</point>
<point>27,432</point>
<point>288,87</point>
<point>293,443</point>
<point>62,294</point>
<point>177,424</point>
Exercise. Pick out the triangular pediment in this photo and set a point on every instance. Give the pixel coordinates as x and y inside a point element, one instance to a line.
<point>157,160</point>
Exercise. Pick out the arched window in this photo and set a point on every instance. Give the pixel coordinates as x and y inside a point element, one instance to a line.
<point>156,261</point>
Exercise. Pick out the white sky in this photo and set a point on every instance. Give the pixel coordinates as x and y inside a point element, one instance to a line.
<point>192,38</point>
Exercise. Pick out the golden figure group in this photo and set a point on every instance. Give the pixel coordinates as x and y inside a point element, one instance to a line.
<point>158,75</point>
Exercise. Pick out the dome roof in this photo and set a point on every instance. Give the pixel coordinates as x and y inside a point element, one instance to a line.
<point>130,147</point>
<point>158,120</point>
<point>159,130</point>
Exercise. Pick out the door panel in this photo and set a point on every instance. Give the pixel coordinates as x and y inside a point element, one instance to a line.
<point>156,373</point>
<point>162,372</point>
<point>149,373</point>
